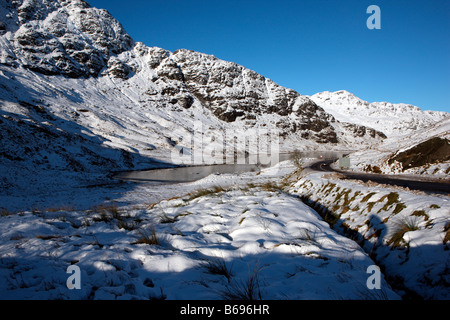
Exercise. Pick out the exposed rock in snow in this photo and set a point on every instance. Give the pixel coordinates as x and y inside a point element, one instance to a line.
<point>63,37</point>
<point>425,152</point>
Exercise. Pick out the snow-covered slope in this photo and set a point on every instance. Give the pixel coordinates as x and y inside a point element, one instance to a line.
<point>405,232</point>
<point>208,247</point>
<point>425,152</point>
<point>79,98</point>
<point>391,119</point>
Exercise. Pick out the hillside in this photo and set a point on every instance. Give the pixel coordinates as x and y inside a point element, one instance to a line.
<point>424,152</point>
<point>393,119</point>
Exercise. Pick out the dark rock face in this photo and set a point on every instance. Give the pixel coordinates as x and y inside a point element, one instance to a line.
<point>118,68</point>
<point>432,151</point>
<point>362,131</point>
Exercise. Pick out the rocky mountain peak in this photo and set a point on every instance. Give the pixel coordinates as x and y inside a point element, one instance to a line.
<point>341,98</point>
<point>61,37</point>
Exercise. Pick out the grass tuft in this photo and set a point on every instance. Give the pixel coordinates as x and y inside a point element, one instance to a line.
<point>390,198</point>
<point>147,236</point>
<point>4,212</point>
<point>166,219</point>
<point>367,197</point>
<point>107,212</point>
<point>421,213</point>
<point>206,192</point>
<point>405,225</point>
<point>447,233</point>
<point>271,186</point>
<point>219,266</point>
<point>399,207</point>
<point>249,289</point>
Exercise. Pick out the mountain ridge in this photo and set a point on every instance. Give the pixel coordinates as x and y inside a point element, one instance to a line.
<point>390,118</point>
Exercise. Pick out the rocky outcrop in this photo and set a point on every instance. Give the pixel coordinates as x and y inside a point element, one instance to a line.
<point>233,92</point>
<point>230,90</point>
<point>63,37</point>
<point>431,151</point>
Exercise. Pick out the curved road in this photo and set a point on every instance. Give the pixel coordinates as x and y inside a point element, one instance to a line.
<point>413,184</point>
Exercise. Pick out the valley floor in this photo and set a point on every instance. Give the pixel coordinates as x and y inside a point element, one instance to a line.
<point>247,236</point>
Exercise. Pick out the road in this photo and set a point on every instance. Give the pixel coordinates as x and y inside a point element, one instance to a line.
<point>403,181</point>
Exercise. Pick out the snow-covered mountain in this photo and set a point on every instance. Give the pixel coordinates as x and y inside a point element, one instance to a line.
<point>389,118</point>
<point>80,97</point>
<point>425,152</point>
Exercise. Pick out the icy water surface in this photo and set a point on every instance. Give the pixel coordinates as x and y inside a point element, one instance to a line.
<point>194,173</point>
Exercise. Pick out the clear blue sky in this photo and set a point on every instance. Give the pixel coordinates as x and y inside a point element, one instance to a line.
<point>311,45</point>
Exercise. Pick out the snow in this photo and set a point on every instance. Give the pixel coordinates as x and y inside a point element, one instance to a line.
<point>380,154</point>
<point>248,226</point>
<point>390,118</point>
<point>373,215</point>
<point>254,231</point>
